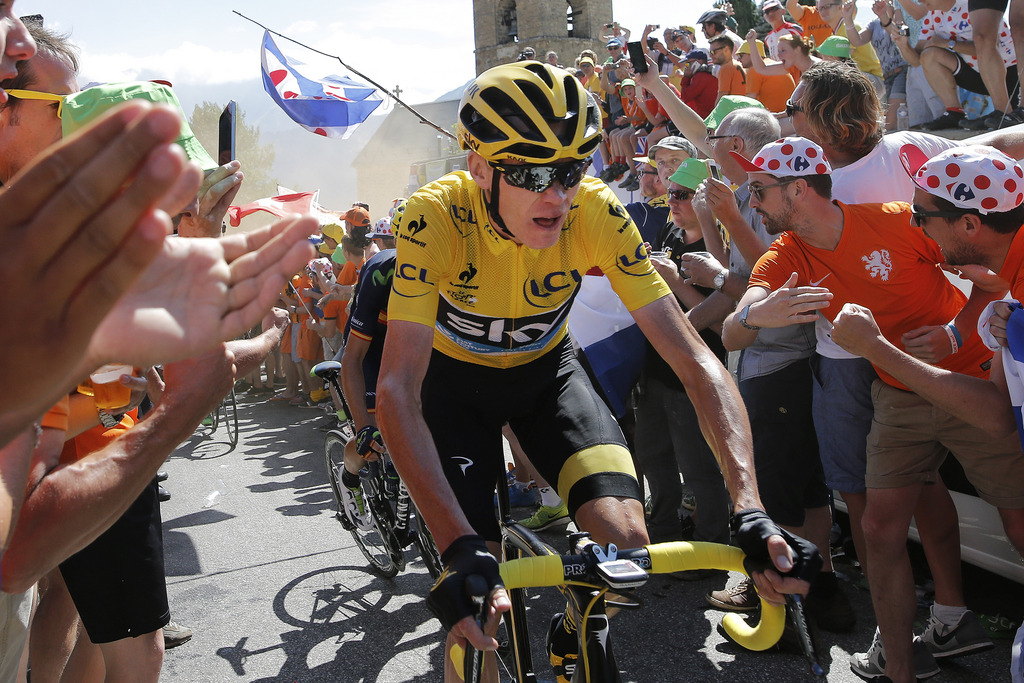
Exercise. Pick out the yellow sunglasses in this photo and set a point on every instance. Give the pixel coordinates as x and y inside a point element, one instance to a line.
<point>35,95</point>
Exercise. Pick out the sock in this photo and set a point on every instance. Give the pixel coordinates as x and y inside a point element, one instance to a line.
<point>349,480</point>
<point>950,616</point>
<point>549,498</point>
<point>955,110</point>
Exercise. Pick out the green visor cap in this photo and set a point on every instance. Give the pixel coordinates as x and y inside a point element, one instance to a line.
<point>690,173</point>
<point>727,105</point>
<point>87,105</point>
<point>835,46</point>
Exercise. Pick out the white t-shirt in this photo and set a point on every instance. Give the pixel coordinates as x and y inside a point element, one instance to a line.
<point>955,24</point>
<point>873,179</point>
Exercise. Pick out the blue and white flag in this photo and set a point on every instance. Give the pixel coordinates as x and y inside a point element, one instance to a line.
<point>1012,354</point>
<point>331,105</point>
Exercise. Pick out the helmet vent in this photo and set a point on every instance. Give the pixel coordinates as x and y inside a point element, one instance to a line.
<point>507,108</point>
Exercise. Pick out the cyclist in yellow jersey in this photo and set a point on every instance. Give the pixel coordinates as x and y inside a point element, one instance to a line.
<point>489,261</point>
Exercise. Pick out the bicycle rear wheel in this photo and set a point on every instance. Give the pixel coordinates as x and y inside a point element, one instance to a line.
<point>425,543</point>
<point>229,414</point>
<point>377,542</point>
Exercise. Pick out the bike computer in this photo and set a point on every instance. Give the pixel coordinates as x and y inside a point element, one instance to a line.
<point>622,573</point>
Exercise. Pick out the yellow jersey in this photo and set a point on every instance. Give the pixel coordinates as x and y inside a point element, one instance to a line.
<point>494,302</point>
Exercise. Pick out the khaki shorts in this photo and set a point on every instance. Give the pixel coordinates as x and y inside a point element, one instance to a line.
<point>909,440</point>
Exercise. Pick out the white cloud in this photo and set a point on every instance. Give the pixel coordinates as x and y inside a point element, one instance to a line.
<point>186,63</point>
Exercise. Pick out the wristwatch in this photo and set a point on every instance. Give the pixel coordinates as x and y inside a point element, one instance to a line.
<point>743,319</point>
<point>108,420</point>
<point>719,280</point>
<point>952,44</point>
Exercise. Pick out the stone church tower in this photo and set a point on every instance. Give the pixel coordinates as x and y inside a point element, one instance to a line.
<point>504,27</point>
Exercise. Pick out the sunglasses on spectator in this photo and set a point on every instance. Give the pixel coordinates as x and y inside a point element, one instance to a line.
<point>918,214</point>
<point>792,108</point>
<point>709,137</point>
<point>680,195</point>
<point>540,178</point>
<point>716,49</point>
<point>756,190</point>
<point>35,95</point>
<point>647,173</point>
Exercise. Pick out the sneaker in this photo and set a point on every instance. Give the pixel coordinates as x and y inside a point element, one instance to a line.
<point>355,508</point>
<point>949,119</point>
<point>162,494</point>
<point>1017,657</point>
<point>740,598</point>
<point>871,664</point>
<point>967,637</point>
<point>630,179</point>
<point>547,516</point>
<point>561,646</point>
<point>833,613</point>
<point>175,634</point>
<point>989,122</point>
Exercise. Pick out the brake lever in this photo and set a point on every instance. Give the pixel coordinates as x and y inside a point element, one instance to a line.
<point>795,602</point>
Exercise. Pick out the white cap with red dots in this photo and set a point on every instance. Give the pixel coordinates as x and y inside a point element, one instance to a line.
<point>787,157</point>
<point>971,177</point>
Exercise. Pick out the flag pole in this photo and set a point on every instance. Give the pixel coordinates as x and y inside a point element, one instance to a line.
<point>390,94</point>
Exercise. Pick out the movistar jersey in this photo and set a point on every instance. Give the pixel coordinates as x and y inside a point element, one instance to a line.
<point>496,303</point>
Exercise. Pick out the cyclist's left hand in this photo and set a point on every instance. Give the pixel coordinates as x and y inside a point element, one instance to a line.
<point>795,560</point>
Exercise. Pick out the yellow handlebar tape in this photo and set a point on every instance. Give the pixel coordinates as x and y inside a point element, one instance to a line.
<point>679,556</point>
<point>533,572</point>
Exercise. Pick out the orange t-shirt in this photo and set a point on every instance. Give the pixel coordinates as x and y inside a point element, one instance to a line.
<point>731,79</point>
<point>1013,267</point>
<point>92,440</point>
<point>349,275</point>
<point>57,416</point>
<point>885,264</point>
<point>771,91</point>
<point>816,27</point>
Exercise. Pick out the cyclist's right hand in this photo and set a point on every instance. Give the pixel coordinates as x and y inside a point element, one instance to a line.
<point>365,440</point>
<point>449,598</point>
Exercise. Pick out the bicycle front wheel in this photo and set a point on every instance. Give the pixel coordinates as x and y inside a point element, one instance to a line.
<point>229,414</point>
<point>425,543</point>
<point>373,542</point>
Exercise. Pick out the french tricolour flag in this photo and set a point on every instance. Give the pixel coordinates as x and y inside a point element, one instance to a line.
<point>331,105</point>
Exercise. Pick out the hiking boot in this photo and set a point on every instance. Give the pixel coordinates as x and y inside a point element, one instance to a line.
<point>967,637</point>
<point>740,598</point>
<point>561,646</point>
<point>175,634</point>
<point>833,612</point>
<point>949,119</point>
<point>355,508</point>
<point>871,664</point>
<point>547,516</point>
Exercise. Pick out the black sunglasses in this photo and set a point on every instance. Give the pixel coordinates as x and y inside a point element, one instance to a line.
<point>537,178</point>
<point>792,108</point>
<point>680,195</point>
<point>756,190</point>
<point>918,214</point>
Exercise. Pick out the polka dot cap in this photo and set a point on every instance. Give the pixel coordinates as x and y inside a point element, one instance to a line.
<point>787,157</point>
<point>971,177</point>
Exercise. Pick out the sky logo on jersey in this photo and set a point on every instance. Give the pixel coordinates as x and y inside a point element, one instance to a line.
<point>484,334</point>
<point>538,293</point>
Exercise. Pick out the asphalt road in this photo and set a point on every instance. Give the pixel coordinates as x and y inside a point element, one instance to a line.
<point>276,590</point>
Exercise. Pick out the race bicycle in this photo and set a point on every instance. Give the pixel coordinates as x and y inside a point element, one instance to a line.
<point>396,524</point>
<point>585,575</point>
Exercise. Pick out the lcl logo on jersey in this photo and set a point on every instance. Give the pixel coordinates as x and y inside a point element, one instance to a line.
<point>408,271</point>
<point>538,292</point>
<point>628,264</point>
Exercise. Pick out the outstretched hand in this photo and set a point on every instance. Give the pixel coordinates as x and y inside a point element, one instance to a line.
<point>200,292</point>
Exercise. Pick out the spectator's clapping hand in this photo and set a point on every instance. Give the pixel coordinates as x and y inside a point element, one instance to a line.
<point>850,12</point>
<point>277,317</point>
<point>700,269</point>
<point>883,10</point>
<point>980,276</point>
<point>199,292</point>
<point>789,304</point>
<point>720,199</point>
<point>751,37</point>
<point>215,196</point>
<point>76,229</point>
<point>855,330</point>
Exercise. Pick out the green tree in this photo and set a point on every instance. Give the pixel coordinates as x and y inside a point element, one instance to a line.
<point>257,158</point>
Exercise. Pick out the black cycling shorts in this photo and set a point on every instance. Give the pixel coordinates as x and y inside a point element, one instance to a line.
<point>987,4</point>
<point>564,427</point>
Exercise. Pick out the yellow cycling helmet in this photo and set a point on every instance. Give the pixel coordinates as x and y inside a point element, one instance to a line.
<point>529,112</point>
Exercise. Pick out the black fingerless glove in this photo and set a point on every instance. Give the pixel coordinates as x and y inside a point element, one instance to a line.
<point>449,598</point>
<point>365,439</point>
<point>753,528</point>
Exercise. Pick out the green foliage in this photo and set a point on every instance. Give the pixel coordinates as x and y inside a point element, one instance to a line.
<point>257,158</point>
